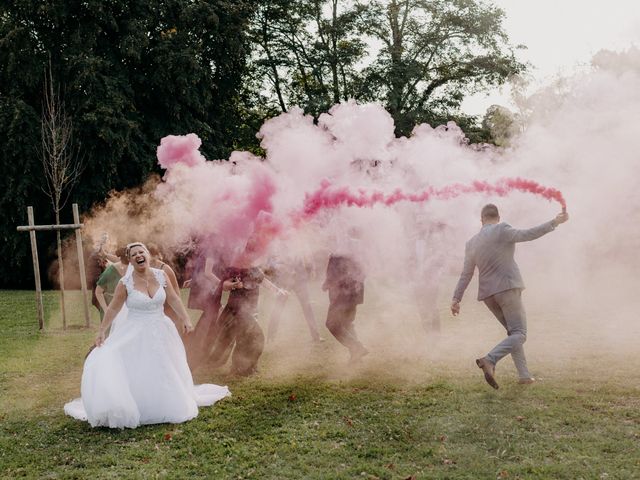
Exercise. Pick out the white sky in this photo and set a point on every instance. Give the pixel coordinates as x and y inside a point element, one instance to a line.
<point>562,36</point>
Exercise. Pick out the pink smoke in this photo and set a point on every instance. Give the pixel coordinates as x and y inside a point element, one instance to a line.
<point>180,149</point>
<point>327,197</point>
<point>243,213</point>
<point>265,229</point>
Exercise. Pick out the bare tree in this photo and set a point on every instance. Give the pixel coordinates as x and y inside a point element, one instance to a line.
<point>60,160</point>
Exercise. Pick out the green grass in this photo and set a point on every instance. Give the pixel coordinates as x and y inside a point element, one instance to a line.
<point>411,409</point>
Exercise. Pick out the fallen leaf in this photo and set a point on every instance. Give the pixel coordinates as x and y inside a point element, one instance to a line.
<point>448,461</point>
<point>411,477</point>
<point>168,436</point>
<point>503,474</point>
<point>348,421</point>
<point>293,397</point>
<point>442,438</point>
<point>520,418</point>
<point>390,466</point>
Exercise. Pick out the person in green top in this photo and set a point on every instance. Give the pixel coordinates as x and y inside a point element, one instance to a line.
<point>108,280</point>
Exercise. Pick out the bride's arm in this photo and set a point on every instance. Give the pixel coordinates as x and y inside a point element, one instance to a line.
<point>174,302</point>
<point>171,276</point>
<point>119,297</point>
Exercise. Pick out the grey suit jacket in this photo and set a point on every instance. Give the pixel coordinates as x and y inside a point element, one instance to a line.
<point>491,250</point>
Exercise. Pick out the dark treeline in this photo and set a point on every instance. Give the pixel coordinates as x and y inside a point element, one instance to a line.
<point>131,72</point>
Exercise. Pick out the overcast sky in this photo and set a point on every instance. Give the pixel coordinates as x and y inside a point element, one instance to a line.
<point>562,36</point>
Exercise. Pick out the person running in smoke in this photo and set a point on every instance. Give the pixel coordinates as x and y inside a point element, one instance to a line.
<point>500,285</point>
<point>237,332</point>
<point>345,284</point>
<point>293,275</point>
<point>206,270</point>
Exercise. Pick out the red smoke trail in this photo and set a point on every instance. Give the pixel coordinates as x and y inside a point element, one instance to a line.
<point>326,197</point>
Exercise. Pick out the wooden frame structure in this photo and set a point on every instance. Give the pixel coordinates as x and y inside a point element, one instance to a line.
<point>32,228</point>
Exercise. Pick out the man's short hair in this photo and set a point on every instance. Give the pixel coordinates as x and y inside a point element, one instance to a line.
<point>489,212</point>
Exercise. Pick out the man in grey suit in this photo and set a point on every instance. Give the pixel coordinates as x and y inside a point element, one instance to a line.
<point>500,285</point>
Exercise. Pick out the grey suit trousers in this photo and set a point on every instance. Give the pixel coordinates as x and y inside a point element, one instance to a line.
<point>508,309</point>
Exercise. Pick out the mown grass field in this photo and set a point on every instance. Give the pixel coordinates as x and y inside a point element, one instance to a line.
<point>414,409</point>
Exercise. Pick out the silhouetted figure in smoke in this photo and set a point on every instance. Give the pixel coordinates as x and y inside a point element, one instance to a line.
<point>428,266</point>
<point>205,296</point>
<point>500,285</point>
<point>345,284</point>
<point>238,333</point>
<point>292,275</point>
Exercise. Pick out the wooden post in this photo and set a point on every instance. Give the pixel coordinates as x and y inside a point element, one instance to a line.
<point>83,274</point>
<point>63,310</point>
<point>32,229</point>
<point>36,269</point>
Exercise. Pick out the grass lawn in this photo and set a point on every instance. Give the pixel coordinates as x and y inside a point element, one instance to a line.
<point>415,408</point>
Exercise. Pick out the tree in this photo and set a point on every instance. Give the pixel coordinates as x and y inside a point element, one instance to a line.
<point>273,23</point>
<point>433,53</point>
<point>60,161</point>
<point>307,51</point>
<point>133,71</point>
<point>502,124</point>
<point>417,57</point>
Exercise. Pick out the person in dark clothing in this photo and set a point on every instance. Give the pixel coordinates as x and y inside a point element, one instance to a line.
<point>238,333</point>
<point>345,284</point>
<point>203,285</point>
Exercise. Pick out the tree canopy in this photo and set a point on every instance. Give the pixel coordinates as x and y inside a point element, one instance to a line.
<point>131,72</point>
<point>420,58</point>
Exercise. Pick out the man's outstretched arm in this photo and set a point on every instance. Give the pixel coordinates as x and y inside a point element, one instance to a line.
<point>511,234</point>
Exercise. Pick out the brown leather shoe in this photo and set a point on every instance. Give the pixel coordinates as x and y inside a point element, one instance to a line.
<point>489,370</point>
<point>526,381</point>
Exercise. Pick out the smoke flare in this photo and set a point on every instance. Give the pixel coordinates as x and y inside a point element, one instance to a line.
<point>327,197</point>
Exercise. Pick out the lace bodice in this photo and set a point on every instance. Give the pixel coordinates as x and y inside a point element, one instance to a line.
<point>138,301</point>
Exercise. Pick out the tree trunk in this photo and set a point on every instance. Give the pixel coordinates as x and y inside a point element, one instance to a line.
<point>396,77</point>
<point>272,64</point>
<point>61,272</point>
<point>334,53</point>
<point>276,83</point>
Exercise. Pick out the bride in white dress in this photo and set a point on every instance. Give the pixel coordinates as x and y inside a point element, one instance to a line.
<point>139,374</point>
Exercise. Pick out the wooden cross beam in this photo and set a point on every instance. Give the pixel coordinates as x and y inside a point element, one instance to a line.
<point>32,228</point>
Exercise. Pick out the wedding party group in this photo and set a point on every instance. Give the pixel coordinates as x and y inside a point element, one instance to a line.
<point>139,370</point>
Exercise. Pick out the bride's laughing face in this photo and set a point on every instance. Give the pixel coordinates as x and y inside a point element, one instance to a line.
<point>139,257</point>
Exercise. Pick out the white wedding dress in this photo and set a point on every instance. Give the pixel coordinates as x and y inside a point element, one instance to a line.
<point>140,375</point>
